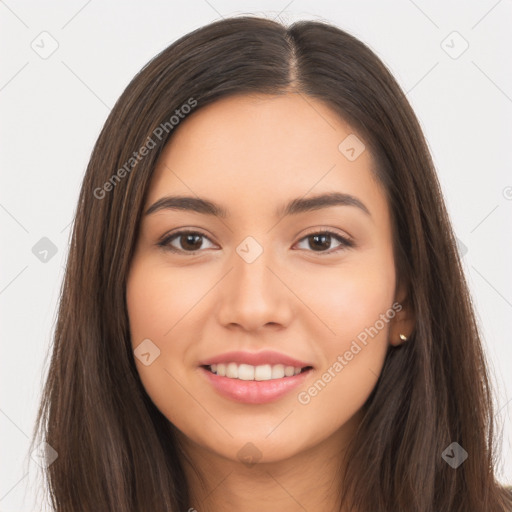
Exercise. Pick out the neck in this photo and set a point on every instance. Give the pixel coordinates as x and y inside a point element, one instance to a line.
<point>309,480</point>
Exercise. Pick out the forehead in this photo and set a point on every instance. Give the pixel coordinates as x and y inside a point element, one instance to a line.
<point>260,149</point>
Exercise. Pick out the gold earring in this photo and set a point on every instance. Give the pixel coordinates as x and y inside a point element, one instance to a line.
<point>403,337</point>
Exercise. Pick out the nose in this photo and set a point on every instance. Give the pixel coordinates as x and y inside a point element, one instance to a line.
<point>255,294</point>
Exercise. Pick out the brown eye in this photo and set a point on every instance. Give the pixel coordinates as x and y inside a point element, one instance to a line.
<point>186,241</point>
<point>193,241</point>
<point>190,242</point>
<point>321,242</point>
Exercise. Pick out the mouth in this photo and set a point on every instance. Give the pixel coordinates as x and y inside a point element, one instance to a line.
<point>254,385</point>
<point>255,377</point>
<point>248,372</point>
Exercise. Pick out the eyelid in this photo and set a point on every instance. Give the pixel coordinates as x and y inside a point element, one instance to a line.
<point>318,230</point>
<point>346,242</point>
<point>165,240</point>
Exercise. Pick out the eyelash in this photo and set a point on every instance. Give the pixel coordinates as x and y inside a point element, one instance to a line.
<point>345,243</point>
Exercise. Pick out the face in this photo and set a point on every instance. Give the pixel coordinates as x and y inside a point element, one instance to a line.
<point>307,288</point>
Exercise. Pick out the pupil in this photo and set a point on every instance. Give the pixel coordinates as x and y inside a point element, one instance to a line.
<point>190,238</point>
<point>324,238</point>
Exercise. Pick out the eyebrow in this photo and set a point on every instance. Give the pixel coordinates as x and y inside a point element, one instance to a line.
<point>293,207</point>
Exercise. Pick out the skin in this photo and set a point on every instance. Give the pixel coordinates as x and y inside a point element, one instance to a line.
<point>252,154</point>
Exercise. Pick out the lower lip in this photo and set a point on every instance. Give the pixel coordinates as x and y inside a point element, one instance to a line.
<point>254,391</point>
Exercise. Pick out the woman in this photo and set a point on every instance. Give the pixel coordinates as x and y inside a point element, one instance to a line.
<point>263,305</point>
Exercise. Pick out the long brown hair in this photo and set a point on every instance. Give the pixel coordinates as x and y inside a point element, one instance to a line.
<point>116,451</point>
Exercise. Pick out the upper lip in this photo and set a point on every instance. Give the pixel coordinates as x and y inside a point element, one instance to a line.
<point>255,359</point>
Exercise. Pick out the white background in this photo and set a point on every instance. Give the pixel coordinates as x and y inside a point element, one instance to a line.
<point>53,109</point>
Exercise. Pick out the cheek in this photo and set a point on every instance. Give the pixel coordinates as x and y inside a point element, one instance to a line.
<point>161,303</point>
<point>153,304</point>
<point>350,298</point>
<point>355,303</point>
<point>157,298</point>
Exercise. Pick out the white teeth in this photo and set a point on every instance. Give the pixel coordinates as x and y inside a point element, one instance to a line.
<point>289,371</point>
<point>249,372</point>
<point>263,372</point>
<point>232,370</point>
<point>278,371</point>
<point>246,372</point>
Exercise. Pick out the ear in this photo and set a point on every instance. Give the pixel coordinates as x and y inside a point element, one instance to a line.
<point>404,320</point>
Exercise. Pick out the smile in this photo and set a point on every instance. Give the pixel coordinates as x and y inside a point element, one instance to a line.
<point>254,377</point>
<point>259,373</point>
